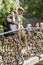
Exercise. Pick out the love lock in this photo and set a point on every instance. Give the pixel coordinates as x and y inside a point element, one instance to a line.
<point>1,62</point>
<point>20,60</point>
<point>1,46</point>
<point>14,63</point>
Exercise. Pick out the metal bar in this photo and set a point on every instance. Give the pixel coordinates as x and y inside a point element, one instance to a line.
<point>12,31</point>
<point>19,30</point>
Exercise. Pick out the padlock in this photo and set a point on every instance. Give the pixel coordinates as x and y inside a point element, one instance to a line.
<point>1,62</point>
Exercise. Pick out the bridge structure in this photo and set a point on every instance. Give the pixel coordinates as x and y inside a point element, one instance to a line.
<point>21,46</point>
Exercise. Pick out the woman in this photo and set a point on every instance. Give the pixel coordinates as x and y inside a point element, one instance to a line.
<point>12,20</point>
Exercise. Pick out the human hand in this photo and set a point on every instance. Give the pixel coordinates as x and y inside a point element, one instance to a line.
<point>12,13</point>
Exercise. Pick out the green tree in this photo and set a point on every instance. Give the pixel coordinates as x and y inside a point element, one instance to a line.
<point>6,6</point>
<point>33,7</point>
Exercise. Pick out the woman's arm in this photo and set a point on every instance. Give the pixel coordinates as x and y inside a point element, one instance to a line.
<point>9,20</point>
<point>14,20</point>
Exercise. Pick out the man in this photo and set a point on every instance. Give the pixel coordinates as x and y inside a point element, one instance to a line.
<point>12,21</point>
<point>20,13</point>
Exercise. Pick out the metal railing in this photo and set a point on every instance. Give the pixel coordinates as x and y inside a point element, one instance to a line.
<point>33,28</point>
<point>20,45</point>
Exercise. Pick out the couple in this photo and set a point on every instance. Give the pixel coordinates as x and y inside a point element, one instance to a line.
<point>14,19</point>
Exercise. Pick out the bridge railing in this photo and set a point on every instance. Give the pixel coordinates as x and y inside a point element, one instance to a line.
<point>21,44</point>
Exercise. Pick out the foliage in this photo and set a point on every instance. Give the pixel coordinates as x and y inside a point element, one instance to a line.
<point>33,7</point>
<point>6,6</point>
